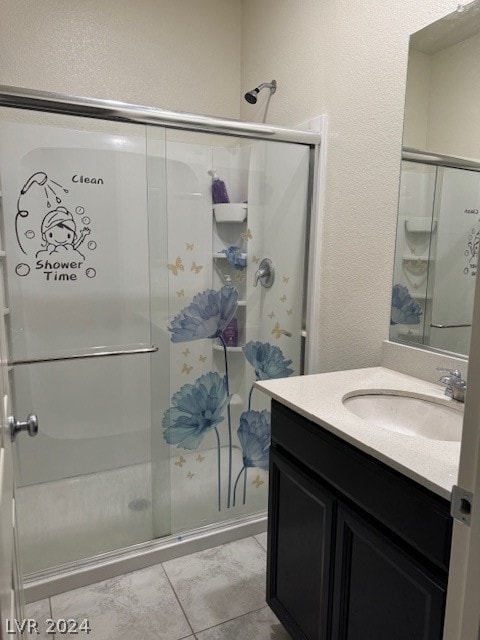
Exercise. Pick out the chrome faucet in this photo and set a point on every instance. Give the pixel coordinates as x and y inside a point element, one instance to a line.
<point>456,385</point>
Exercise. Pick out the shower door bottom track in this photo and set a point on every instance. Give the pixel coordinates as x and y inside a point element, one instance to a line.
<point>50,582</point>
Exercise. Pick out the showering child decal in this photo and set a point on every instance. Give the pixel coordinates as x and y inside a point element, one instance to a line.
<point>51,233</point>
<point>59,234</point>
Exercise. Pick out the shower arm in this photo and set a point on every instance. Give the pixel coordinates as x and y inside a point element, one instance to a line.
<point>84,356</point>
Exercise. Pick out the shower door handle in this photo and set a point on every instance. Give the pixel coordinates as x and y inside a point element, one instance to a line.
<point>30,425</point>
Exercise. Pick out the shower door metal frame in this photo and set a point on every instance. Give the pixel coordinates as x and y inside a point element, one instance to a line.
<point>33,100</point>
<point>78,573</point>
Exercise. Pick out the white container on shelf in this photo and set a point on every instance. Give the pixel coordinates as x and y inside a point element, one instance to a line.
<point>230,212</point>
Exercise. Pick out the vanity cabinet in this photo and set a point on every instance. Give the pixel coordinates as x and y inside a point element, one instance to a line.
<point>356,551</point>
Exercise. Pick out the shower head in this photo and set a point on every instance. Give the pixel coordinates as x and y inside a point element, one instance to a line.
<point>251,96</point>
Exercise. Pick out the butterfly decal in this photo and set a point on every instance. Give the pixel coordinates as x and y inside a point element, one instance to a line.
<point>178,266</point>
<point>255,259</point>
<point>286,279</point>
<point>186,369</point>
<point>189,246</point>
<point>247,235</point>
<point>283,298</point>
<point>202,358</point>
<point>190,475</point>
<point>257,482</point>
<point>289,312</point>
<point>200,458</point>
<point>186,353</point>
<point>181,293</point>
<point>277,331</point>
<point>180,462</point>
<point>196,267</point>
<point>271,315</point>
<point>240,277</point>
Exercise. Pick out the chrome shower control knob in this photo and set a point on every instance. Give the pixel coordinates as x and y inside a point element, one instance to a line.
<point>30,425</point>
<point>265,274</point>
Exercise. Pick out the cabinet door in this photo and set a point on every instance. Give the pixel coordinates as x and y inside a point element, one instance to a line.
<point>299,551</point>
<point>381,592</point>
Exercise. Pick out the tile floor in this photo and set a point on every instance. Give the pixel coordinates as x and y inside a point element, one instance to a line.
<point>217,594</point>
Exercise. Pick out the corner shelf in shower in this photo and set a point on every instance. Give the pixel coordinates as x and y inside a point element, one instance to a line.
<point>236,399</point>
<point>221,256</point>
<point>419,296</point>
<point>413,258</point>
<point>420,224</point>
<point>230,212</point>
<point>219,347</point>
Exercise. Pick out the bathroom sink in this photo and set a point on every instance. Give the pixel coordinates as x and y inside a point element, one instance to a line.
<point>408,414</point>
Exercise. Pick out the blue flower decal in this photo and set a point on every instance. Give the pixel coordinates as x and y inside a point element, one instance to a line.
<point>267,360</point>
<point>235,257</point>
<point>404,308</point>
<point>254,435</point>
<point>206,316</point>
<point>197,408</point>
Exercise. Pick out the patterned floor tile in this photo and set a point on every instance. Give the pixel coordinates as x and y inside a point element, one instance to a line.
<point>258,625</point>
<point>40,612</point>
<point>136,605</point>
<point>219,584</point>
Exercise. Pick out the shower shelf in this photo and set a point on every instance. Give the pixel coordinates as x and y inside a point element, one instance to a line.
<point>230,212</point>
<point>236,399</point>
<point>419,296</point>
<point>219,347</point>
<point>2,254</point>
<point>222,256</point>
<point>420,224</point>
<point>414,258</point>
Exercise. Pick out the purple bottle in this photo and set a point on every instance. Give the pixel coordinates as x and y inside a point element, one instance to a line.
<point>219,190</point>
<point>230,333</point>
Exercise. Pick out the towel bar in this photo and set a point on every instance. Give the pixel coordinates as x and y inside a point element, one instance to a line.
<point>83,356</point>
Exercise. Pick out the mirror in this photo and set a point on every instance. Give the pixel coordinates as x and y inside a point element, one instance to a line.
<point>438,228</point>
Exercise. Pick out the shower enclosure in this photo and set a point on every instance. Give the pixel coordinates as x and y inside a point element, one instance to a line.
<point>139,317</point>
<point>436,256</point>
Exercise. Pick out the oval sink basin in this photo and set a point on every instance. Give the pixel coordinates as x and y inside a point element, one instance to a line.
<point>409,415</point>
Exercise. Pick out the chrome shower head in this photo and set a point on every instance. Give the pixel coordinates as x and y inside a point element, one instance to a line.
<point>251,96</point>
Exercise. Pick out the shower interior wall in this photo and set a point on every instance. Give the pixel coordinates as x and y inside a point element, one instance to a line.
<point>100,476</point>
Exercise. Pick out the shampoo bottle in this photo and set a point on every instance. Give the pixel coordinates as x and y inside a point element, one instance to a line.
<point>219,190</point>
<point>230,333</point>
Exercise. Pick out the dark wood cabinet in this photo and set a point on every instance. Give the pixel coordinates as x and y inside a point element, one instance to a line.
<point>302,516</point>
<point>347,559</point>
<point>380,591</point>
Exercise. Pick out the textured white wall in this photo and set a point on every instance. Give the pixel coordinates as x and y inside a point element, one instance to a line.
<point>417,100</point>
<point>453,120</point>
<point>443,92</point>
<point>349,60</point>
<point>181,54</point>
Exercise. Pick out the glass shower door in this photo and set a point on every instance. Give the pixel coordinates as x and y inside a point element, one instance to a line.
<point>225,331</point>
<point>454,258</point>
<point>74,204</point>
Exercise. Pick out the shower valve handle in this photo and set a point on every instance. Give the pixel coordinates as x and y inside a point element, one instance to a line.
<point>265,274</point>
<point>30,425</point>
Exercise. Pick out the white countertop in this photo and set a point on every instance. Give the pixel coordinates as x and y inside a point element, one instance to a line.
<point>431,463</point>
